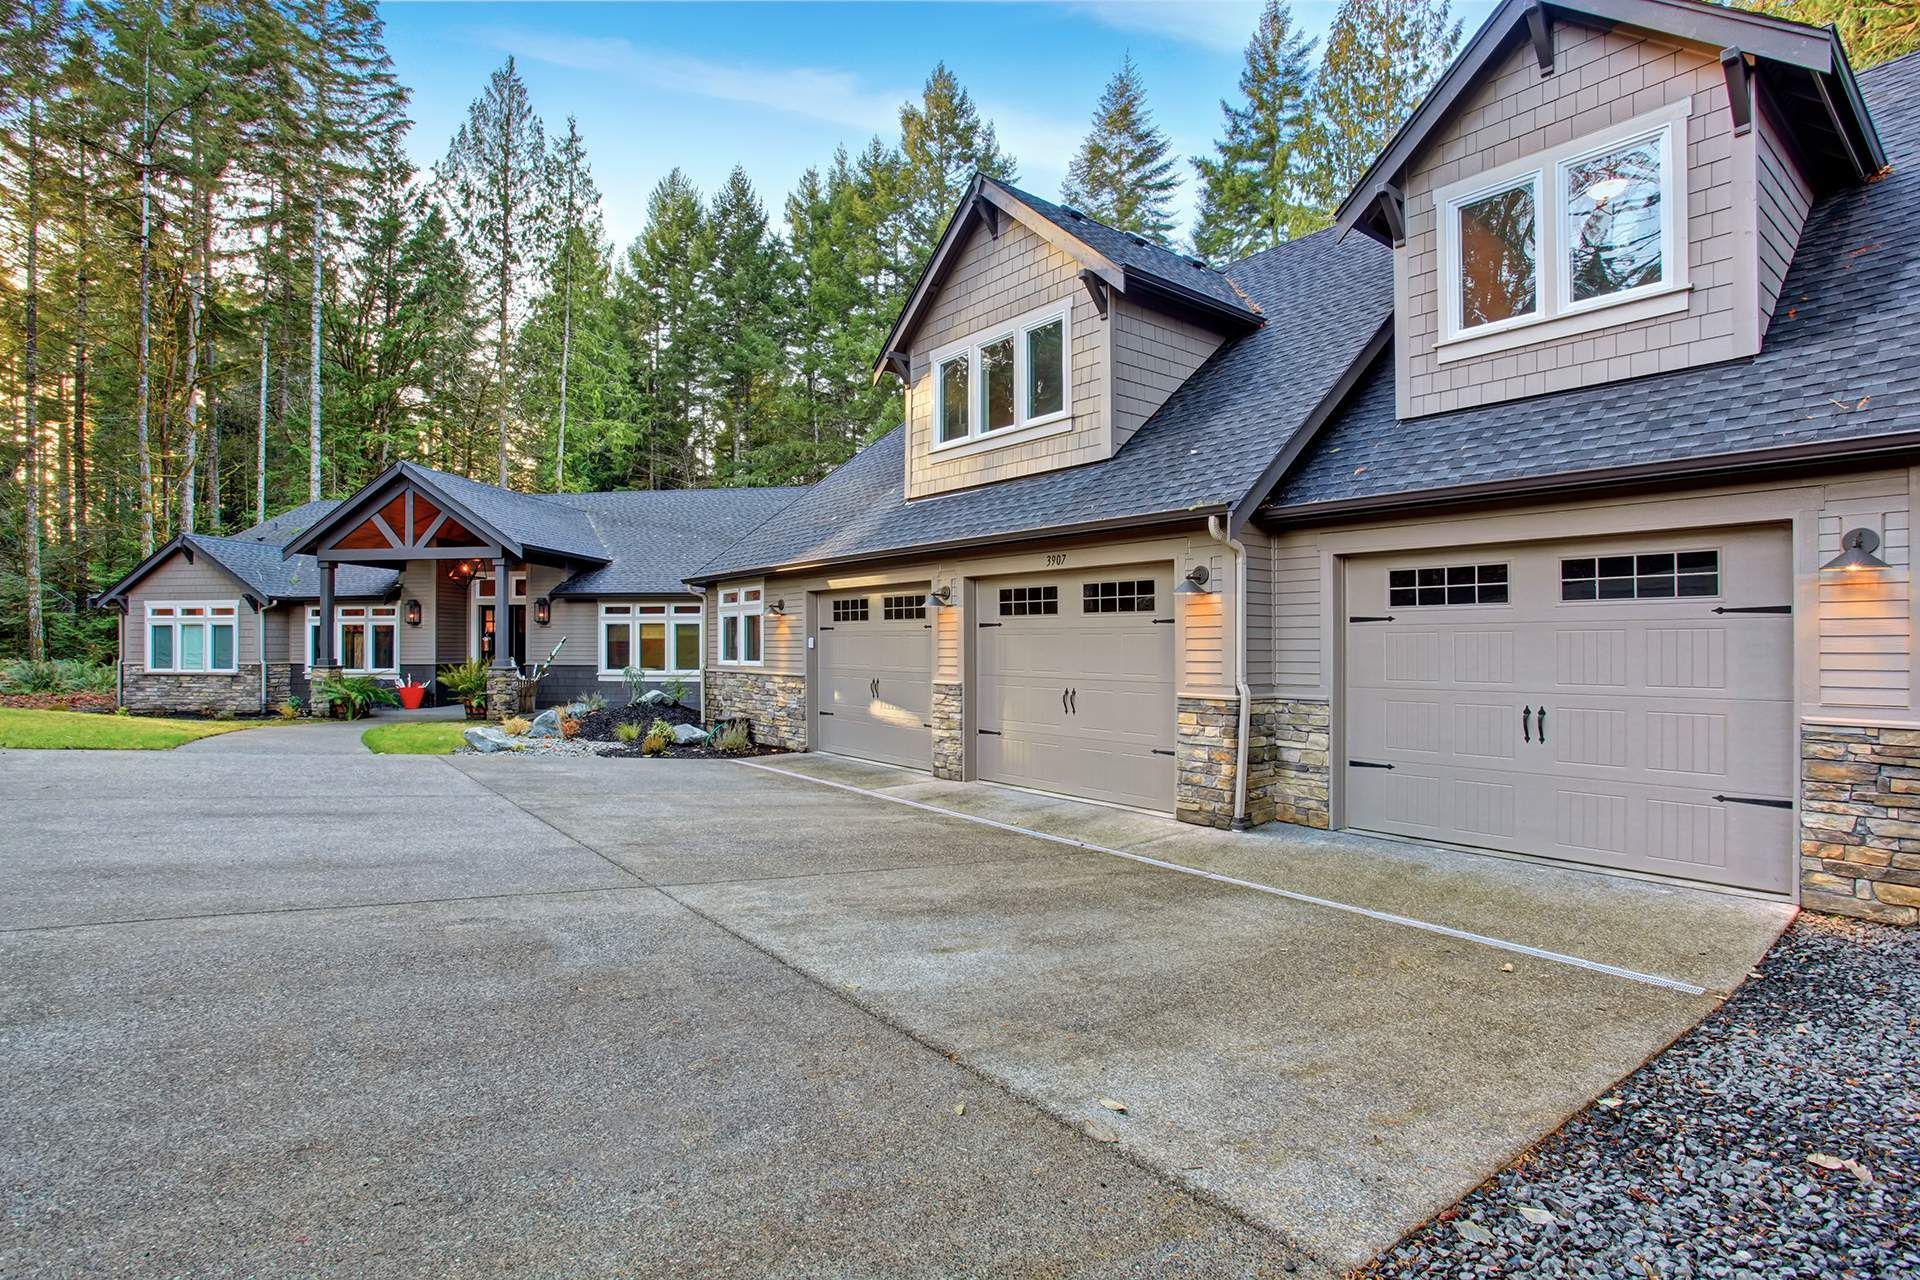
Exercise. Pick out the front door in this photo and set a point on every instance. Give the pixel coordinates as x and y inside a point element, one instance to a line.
<point>516,633</point>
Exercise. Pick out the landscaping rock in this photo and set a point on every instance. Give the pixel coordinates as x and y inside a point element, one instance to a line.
<point>546,724</point>
<point>655,698</point>
<point>488,740</point>
<point>686,734</point>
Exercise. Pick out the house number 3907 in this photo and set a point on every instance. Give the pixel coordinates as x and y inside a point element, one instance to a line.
<point>1057,559</point>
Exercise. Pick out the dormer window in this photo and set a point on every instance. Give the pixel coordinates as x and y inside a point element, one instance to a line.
<point>1005,383</point>
<point>1586,235</point>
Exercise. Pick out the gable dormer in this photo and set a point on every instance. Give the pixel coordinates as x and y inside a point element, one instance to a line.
<point>1605,190</point>
<point>1039,339</point>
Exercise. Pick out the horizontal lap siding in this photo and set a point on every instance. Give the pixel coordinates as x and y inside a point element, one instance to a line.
<point>417,644</point>
<point>450,620</point>
<point>176,580</point>
<point>1866,620</point>
<point>1600,79</point>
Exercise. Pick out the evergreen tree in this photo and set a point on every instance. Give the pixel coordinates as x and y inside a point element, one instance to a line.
<point>1872,32</point>
<point>666,314</point>
<point>1254,189</point>
<point>577,209</point>
<point>944,142</point>
<point>494,187</point>
<point>1124,174</point>
<point>747,318</point>
<point>1381,57</point>
<point>579,376</point>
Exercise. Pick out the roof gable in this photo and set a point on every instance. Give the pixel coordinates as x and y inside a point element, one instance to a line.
<point>1803,67</point>
<point>409,506</point>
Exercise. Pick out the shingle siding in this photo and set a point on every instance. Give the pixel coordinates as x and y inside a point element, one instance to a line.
<point>1784,201</point>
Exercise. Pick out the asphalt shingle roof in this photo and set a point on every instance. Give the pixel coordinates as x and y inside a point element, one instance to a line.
<point>1324,301</point>
<point>273,576</point>
<point>1137,253</point>
<point>658,537</point>
<point>1838,364</point>
<point>288,525</point>
<point>534,519</point>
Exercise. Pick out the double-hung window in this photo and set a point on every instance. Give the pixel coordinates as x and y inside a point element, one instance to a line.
<point>1588,234</point>
<point>741,613</point>
<point>997,384</point>
<point>366,638</point>
<point>191,637</point>
<point>659,639</point>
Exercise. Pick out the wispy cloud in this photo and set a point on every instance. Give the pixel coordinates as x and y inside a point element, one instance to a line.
<point>837,97</point>
<point>1223,25</point>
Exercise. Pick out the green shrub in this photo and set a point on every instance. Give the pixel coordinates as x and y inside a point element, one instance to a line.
<point>675,689</point>
<point>732,737</point>
<point>355,695</point>
<point>594,702</point>
<point>61,675</point>
<point>659,738</point>
<point>628,733</point>
<point>636,682</point>
<point>466,681</point>
<point>290,709</point>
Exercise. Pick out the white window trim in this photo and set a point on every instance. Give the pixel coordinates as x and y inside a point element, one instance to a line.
<point>740,608</point>
<point>677,613</point>
<point>1555,315</point>
<point>1025,426</point>
<point>368,620</point>
<point>176,622</point>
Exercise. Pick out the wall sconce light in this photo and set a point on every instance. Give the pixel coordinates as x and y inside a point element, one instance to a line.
<point>940,597</point>
<point>1195,583</point>
<point>543,611</point>
<point>1856,552</point>
<point>413,613</point>
<point>462,571</point>
<point>778,607</point>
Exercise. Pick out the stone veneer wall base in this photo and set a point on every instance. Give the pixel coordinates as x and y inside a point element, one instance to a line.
<point>1287,761</point>
<point>775,705</point>
<point>949,741</point>
<point>1860,822</point>
<point>200,693</point>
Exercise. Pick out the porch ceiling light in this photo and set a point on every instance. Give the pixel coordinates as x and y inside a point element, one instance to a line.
<point>1856,552</point>
<point>940,597</point>
<point>1195,583</point>
<point>413,613</point>
<point>543,611</point>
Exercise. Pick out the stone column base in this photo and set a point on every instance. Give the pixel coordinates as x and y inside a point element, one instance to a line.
<point>1288,767</point>
<point>317,676</point>
<point>1205,754</point>
<point>949,740</point>
<point>504,694</point>
<point>1860,822</point>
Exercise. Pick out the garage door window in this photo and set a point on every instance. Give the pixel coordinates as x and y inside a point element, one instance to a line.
<point>1025,602</point>
<point>1131,596</point>
<point>1654,575</point>
<point>850,610</point>
<point>1447,584</point>
<point>903,608</point>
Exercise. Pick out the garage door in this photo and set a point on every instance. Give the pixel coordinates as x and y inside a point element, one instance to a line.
<point>1073,688</point>
<point>875,666</point>
<point>1625,704</point>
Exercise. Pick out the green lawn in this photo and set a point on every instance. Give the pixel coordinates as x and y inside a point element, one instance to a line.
<point>416,738</point>
<point>79,731</point>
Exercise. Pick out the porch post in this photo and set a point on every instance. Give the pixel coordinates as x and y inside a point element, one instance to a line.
<point>502,617</point>
<point>323,657</point>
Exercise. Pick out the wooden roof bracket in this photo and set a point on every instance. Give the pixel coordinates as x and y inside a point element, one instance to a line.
<point>1097,289</point>
<point>991,212</point>
<point>1540,29</point>
<point>1393,213</point>
<point>900,363</point>
<point>1739,74</point>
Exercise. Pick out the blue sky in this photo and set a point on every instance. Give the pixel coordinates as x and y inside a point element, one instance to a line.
<point>777,86</point>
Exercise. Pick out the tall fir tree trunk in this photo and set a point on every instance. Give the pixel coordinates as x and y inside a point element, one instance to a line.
<point>81,355</point>
<point>260,438</point>
<point>144,395</point>
<point>566,359</point>
<point>500,358</point>
<point>313,357</point>
<point>190,471</point>
<point>208,401</point>
<point>36,629</point>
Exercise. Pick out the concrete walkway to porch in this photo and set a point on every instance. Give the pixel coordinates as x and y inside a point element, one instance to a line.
<point>307,736</point>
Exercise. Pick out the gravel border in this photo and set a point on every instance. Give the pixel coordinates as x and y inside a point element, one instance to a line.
<point>1699,1163</point>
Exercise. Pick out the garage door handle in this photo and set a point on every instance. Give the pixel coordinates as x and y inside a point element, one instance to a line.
<point>1073,701</point>
<point>1063,702</point>
<point>1525,734</point>
<point>1540,725</point>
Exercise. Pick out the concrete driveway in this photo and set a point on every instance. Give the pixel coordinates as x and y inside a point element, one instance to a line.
<point>272,1012</point>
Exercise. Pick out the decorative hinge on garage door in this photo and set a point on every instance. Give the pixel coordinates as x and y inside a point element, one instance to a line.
<point>1163,622</point>
<point>991,733</point>
<point>1755,608</point>
<point>826,713</point>
<point>1367,764</point>
<point>1161,751</point>
<point>826,628</point>
<point>1367,617</point>
<point>989,624</point>
<point>1765,804</point>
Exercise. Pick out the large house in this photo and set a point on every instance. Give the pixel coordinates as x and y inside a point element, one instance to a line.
<point>1555,502</point>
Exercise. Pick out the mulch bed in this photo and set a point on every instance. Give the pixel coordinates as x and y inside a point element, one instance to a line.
<point>599,726</point>
<point>58,701</point>
<point>1774,1141</point>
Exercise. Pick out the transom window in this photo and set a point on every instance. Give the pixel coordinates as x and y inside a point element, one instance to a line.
<point>1023,602</point>
<point>658,639</point>
<point>1447,584</point>
<point>1653,575</point>
<point>1585,226</point>
<point>854,610</point>
<point>741,610</point>
<point>903,608</point>
<point>1003,380</point>
<point>1130,596</point>
<point>201,636</point>
<point>366,638</point>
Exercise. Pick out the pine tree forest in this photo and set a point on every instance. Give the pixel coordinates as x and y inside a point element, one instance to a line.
<point>227,290</point>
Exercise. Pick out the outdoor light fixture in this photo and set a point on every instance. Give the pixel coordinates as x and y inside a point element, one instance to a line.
<point>778,607</point>
<point>543,611</point>
<point>940,597</point>
<point>413,613</point>
<point>1856,552</point>
<point>1195,583</point>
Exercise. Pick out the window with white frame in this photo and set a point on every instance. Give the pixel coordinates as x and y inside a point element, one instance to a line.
<point>659,639</point>
<point>1004,380</point>
<point>1530,249</point>
<point>193,636</point>
<point>366,638</point>
<point>741,610</point>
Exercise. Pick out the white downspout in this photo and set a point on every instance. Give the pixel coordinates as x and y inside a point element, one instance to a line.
<point>1242,747</point>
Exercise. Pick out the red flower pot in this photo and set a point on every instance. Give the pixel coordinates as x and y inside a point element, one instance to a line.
<point>411,695</point>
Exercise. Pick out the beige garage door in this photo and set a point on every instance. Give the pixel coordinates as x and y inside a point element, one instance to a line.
<point>1073,688</point>
<point>874,661</point>
<point>1625,703</point>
